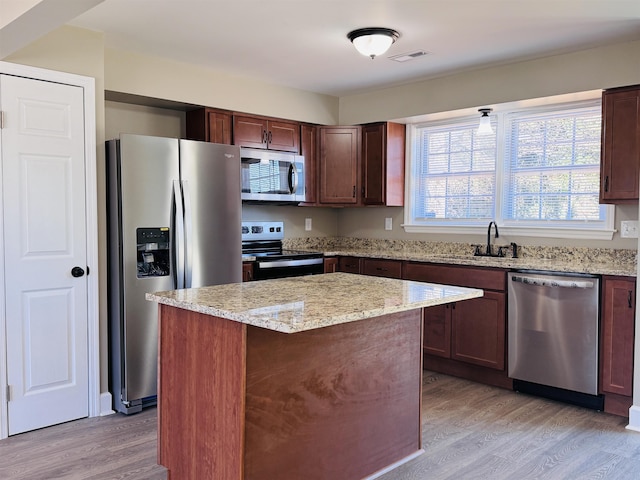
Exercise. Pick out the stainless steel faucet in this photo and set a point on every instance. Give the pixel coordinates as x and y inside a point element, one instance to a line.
<point>489,248</point>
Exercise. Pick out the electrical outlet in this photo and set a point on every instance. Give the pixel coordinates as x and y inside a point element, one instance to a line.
<point>307,224</point>
<point>629,229</point>
<point>388,223</point>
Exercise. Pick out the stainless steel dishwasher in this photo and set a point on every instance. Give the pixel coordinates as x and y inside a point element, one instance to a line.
<point>553,335</point>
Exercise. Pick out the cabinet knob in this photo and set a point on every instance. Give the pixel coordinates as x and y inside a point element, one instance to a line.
<point>606,183</point>
<point>630,298</point>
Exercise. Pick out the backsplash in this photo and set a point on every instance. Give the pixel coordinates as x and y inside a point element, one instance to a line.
<point>578,255</point>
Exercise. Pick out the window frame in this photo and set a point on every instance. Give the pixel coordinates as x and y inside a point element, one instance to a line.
<point>601,231</point>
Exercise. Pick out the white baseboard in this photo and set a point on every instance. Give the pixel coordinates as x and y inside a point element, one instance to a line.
<point>105,404</point>
<point>634,418</point>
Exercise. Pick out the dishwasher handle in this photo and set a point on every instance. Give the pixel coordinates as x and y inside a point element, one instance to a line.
<point>552,282</point>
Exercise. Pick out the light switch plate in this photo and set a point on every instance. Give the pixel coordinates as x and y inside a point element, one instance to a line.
<point>307,224</point>
<point>629,229</point>
<point>388,223</point>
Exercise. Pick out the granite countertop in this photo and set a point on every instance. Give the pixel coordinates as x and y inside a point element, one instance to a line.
<point>297,304</point>
<point>565,264</point>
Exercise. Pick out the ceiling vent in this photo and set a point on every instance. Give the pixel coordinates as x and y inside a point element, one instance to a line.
<point>405,57</point>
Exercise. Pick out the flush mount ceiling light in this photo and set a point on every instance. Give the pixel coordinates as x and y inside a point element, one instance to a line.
<point>484,128</point>
<point>373,41</point>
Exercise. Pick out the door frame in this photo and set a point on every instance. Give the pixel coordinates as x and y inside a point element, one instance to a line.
<point>89,97</point>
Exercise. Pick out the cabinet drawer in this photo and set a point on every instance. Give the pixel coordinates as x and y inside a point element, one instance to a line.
<point>485,278</point>
<point>349,264</point>
<point>382,268</point>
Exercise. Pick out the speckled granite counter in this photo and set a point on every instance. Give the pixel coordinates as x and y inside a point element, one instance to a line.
<point>297,304</point>
<point>598,261</point>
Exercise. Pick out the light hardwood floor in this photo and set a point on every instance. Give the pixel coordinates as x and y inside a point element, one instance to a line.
<point>469,431</point>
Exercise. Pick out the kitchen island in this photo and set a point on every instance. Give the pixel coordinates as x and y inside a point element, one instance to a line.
<point>315,377</point>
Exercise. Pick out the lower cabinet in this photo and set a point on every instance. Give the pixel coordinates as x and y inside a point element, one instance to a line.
<point>617,340</point>
<point>463,336</point>
<point>381,268</point>
<point>349,264</point>
<point>247,271</point>
<point>472,331</point>
<point>330,264</point>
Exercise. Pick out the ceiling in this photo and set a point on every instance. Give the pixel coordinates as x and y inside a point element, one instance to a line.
<point>303,44</point>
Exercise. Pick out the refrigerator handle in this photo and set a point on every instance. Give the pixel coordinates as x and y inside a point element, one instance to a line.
<point>178,235</point>
<point>188,235</point>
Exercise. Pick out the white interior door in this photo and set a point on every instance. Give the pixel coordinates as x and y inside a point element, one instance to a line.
<point>43,183</point>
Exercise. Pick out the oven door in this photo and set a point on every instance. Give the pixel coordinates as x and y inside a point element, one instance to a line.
<point>281,268</point>
<point>272,176</point>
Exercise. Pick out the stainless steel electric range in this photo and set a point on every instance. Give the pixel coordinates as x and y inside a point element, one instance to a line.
<point>263,240</point>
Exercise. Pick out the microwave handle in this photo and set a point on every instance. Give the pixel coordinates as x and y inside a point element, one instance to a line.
<point>293,178</point>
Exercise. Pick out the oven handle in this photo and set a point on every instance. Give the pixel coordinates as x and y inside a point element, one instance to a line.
<point>539,282</point>
<point>290,263</point>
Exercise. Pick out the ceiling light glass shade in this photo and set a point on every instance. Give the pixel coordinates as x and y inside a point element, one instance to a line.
<point>484,128</point>
<point>372,41</point>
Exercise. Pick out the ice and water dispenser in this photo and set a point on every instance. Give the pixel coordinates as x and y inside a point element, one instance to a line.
<point>153,252</point>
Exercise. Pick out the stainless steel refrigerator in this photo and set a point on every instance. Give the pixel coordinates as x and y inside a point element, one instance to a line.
<point>174,221</point>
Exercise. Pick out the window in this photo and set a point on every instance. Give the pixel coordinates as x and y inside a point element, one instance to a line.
<point>457,174</point>
<point>537,174</point>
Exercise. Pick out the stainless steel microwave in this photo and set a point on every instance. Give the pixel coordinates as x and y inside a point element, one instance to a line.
<point>269,176</point>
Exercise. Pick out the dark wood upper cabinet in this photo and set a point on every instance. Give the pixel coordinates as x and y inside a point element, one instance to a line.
<point>209,125</point>
<point>339,162</point>
<point>620,161</point>
<point>383,147</point>
<point>309,149</point>
<point>272,134</point>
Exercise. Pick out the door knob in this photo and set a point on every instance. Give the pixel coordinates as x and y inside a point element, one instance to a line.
<point>77,272</point>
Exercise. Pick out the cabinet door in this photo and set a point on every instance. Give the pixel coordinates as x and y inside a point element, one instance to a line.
<point>618,318</point>
<point>382,268</point>
<point>478,331</point>
<point>247,271</point>
<point>283,136</point>
<point>219,126</point>
<point>437,331</point>
<point>620,162</point>
<point>330,264</point>
<point>339,160</point>
<point>209,125</point>
<point>349,264</point>
<point>383,146</point>
<point>249,132</point>
<point>308,147</point>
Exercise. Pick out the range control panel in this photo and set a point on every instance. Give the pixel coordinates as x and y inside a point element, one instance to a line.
<point>262,231</point>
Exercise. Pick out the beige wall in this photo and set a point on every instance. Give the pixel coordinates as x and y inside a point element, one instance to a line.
<point>597,68</point>
<point>131,73</point>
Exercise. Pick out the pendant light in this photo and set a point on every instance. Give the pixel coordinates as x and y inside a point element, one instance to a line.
<point>372,41</point>
<point>484,128</point>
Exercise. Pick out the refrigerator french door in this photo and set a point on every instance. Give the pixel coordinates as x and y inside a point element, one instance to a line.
<point>174,221</point>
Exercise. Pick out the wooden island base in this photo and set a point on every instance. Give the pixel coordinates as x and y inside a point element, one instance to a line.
<point>242,402</point>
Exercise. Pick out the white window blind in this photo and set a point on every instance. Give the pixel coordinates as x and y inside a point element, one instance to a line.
<point>456,173</point>
<point>552,168</point>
